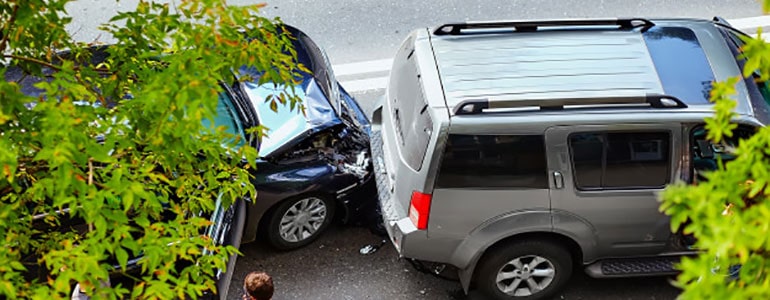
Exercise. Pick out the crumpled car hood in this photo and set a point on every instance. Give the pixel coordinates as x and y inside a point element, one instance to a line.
<point>286,127</point>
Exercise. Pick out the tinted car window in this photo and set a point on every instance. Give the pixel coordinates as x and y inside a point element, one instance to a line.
<point>756,87</point>
<point>227,116</point>
<point>681,63</point>
<point>497,161</point>
<point>587,154</point>
<point>620,160</point>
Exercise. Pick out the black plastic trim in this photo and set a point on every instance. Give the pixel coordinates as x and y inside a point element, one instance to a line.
<point>477,106</point>
<point>528,26</point>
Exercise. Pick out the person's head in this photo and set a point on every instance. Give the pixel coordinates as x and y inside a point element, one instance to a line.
<point>258,286</point>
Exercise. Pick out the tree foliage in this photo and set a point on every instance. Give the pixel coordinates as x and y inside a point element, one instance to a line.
<point>729,213</point>
<point>120,145</point>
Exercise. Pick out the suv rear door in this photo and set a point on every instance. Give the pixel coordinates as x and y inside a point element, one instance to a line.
<point>605,181</point>
<point>487,178</point>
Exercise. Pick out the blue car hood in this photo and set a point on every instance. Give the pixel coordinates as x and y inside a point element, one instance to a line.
<point>286,127</point>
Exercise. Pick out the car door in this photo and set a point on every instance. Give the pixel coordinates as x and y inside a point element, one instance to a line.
<point>495,181</point>
<point>605,182</point>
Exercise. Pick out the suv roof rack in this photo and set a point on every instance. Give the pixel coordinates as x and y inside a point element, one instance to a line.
<point>477,106</point>
<point>720,20</point>
<point>528,26</point>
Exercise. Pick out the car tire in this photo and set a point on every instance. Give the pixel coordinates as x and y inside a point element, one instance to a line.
<point>525,270</point>
<point>233,238</point>
<point>298,221</point>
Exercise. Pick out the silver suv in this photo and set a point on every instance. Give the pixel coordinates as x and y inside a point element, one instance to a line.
<point>518,151</point>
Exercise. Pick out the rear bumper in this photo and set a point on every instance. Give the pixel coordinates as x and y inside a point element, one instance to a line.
<point>402,232</point>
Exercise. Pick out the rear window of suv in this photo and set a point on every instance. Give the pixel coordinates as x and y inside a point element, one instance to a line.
<point>681,63</point>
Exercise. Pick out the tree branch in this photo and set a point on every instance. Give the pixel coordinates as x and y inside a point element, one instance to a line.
<point>90,88</point>
<point>49,65</point>
<point>90,182</point>
<point>57,68</point>
<point>32,60</point>
<point>90,171</point>
<point>7,26</point>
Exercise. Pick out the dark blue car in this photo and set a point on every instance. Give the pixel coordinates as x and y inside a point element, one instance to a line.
<point>313,167</point>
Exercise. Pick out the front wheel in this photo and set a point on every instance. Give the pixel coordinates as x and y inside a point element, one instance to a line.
<point>298,221</point>
<point>525,270</point>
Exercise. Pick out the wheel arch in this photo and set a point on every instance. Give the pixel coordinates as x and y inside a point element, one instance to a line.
<point>271,194</point>
<point>469,273</point>
<point>264,218</point>
<point>256,212</point>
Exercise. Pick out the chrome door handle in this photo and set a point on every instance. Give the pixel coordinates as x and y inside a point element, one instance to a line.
<point>558,180</point>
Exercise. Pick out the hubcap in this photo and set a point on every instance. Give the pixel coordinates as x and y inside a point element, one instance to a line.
<point>524,276</point>
<point>302,220</point>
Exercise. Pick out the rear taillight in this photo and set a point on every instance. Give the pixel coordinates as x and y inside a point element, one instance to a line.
<point>420,209</point>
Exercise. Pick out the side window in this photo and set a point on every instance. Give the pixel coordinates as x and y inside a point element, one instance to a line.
<point>737,43</point>
<point>706,155</point>
<point>493,161</point>
<point>620,160</point>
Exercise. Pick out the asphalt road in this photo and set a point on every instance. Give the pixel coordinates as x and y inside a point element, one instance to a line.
<point>360,36</point>
<point>333,268</point>
<point>360,30</point>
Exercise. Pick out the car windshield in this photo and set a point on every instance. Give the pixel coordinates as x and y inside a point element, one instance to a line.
<point>227,116</point>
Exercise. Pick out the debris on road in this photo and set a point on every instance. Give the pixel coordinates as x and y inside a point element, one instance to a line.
<point>369,249</point>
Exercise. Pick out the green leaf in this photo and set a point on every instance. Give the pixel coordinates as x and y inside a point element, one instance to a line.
<point>128,200</point>
<point>122,257</point>
<point>16,265</point>
<point>169,63</point>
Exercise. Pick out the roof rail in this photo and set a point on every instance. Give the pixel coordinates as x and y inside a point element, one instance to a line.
<point>525,26</point>
<point>477,106</point>
<point>720,20</point>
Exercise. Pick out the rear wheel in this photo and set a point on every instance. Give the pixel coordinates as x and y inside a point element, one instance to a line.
<point>299,221</point>
<point>532,269</point>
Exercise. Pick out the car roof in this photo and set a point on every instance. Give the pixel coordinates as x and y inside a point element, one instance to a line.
<point>676,57</point>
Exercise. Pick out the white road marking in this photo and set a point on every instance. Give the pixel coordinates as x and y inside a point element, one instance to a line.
<point>359,70</point>
<point>362,85</point>
<point>363,67</point>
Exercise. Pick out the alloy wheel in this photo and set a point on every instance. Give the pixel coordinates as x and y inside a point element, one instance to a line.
<point>303,219</point>
<point>525,276</point>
